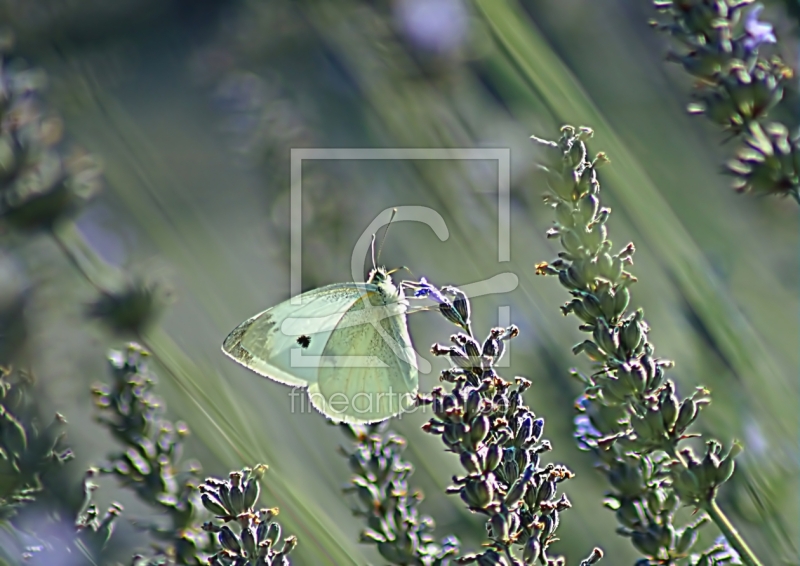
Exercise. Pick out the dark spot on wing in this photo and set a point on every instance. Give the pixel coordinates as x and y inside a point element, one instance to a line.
<point>304,341</point>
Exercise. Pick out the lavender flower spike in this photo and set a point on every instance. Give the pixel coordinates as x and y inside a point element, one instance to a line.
<point>757,32</point>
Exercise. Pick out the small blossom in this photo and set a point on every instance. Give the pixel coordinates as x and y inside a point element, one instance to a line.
<point>585,433</point>
<point>757,32</point>
<point>425,289</point>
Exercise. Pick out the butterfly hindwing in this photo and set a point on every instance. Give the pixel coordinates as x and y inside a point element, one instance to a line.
<point>368,370</point>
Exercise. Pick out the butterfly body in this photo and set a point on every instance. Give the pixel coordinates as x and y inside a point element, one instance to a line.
<point>347,343</point>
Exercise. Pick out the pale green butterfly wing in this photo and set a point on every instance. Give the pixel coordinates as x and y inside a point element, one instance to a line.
<point>268,343</point>
<point>368,370</point>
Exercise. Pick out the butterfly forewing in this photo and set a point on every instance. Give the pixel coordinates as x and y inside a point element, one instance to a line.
<point>269,342</point>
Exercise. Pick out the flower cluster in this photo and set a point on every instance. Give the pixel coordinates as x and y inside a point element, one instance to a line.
<point>131,309</point>
<point>736,88</point>
<point>150,463</point>
<point>631,418</point>
<point>498,439</point>
<point>233,502</point>
<point>382,497</point>
<point>40,182</point>
<point>31,459</point>
<point>150,466</point>
<point>27,450</point>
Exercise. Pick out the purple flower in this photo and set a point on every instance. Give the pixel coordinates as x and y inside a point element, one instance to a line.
<point>425,289</point>
<point>757,32</point>
<point>438,26</point>
<point>726,552</point>
<point>585,433</point>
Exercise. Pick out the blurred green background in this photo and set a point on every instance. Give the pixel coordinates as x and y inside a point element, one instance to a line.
<point>193,107</point>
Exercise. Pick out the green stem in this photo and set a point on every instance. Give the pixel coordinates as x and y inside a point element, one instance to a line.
<point>731,534</point>
<point>73,257</point>
<point>721,520</point>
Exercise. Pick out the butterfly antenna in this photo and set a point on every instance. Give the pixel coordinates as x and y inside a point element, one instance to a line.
<point>383,240</point>
<point>372,248</point>
<point>401,268</point>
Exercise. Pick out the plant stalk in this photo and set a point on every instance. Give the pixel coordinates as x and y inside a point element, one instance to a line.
<point>731,534</point>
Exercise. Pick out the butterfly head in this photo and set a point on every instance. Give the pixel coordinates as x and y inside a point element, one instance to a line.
<point>382,279</point>
<point>378,276</point>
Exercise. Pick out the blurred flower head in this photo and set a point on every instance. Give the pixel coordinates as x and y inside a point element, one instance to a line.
<point>438,26</point>
<point>132,309</point>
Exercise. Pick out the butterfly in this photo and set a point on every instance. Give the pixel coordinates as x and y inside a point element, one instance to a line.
<point>347,344</point>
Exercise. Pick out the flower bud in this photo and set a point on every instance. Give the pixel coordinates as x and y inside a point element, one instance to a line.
<point>251,492</point>
<point>214,505</point>
<point>499,528</point>
<point>517,491</point>
<point>572,243</point>
<point>668,405</point>
<point>469,461</point>
<point>478,493</point>
<point>460,304</point>
<point>494,454</point>
<point>563,212</point>
<point>646,543</point>
<point>546,491</point>
<point>479,430</point>
<point>641,427</point>
<point>686,540</point>
<point>627,479</point>
<point>472,404</point>
<point>630,514</point>
<point>605,337</point>
<point>289,544</point>
<point>524,432</point>
<point>686,415</point>
<point>533,549</point>
<point>724,471</point>
<point>228,539</point>
<point>586,209</point>
<point>631,335</point>
<point>249,541</point>
<point>656,422</point>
